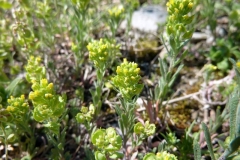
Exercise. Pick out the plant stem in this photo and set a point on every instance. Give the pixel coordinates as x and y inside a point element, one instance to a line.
<point>5,141</point>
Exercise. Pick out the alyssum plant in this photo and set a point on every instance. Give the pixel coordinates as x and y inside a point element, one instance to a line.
<point>14,123</point>
<point>49,107</point>
<point>127,82</point>
<point>179,33</point>
<point>100,53</point>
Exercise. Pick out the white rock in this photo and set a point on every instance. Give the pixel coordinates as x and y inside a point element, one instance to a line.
<point>147,18</point>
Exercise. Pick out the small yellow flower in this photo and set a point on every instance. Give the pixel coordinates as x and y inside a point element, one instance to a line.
<point>137,70</point>
<point>25,105</point>
<point>10,108</point>
<point>116,11</point>
<point>176,10</point>
<point>50,86</point>
<point>185,17</point>
<point>44,82</point>
<point>38,59</point>
<point>15,104</point>
<point>48,95</point>
<point>31,95</point>
<point>238,64</point>
<point>22,97</point>
<point>181,6</point>
<point>190,5</point>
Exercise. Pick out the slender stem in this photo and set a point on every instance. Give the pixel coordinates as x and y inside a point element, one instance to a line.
<point>5,141</point>
<point>55,142</point>
<point>24,127</point>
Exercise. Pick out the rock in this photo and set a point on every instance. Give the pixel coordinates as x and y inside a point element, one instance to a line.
<point>147,18</point>
<point>143,41</point>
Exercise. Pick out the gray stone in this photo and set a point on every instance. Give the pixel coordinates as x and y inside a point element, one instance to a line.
<point>147,18</point>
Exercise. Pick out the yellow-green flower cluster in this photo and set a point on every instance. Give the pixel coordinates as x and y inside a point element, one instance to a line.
<point>165,156</point>
<point>18,107</point>
<point>160,156</point>
<point>147,129</point>
<point>127,79</point>
<point>179,18</point>
<point>86,115</point>
<point>116,12</point>
<point>100,52</point>
<point>47,104</point>
<point>107,140</point>
<point>35,72</point>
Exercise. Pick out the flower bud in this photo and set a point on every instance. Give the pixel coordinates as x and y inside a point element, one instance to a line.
<point>138,128</point>
<point>127,79</point>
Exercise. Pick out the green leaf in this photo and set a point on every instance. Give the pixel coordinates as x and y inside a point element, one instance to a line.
<point>197,150</point>
<point>236,157</point>
<point>96,135</point>
<point>10,88</point>
<point>3,95</point>
<point>100,156</point>
<point>162,146</point>
<point>150,156</point>
<point>188,34</point>
<point>89,153</point>
<point>37,115</point>
<point>5,116</point>
<point>208,140</point>
<point>163,67</point>
<point>125,120</point>
<point>233,146</point>
<point>53,127</point>
<point>237,70</point>
<point>219,119</point>
<point>183,44</point>
<point>25,3</point>
<point>175,75</point>
<point>237,132</point>
<point>168,76</point>
<point>11,138</point>
<point>223,65</point>
<point>190,128</point>
<point>116,155</point>
<point>233,15</point>
<point>5,5</point>
<point>3,77</point>
<point>74,2</point>
<point>173,44</point>
<point>233,104</point>
<point>184,54</point>
<point>27,33</point>
<point>27,157</point>
<point>120,123</point>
